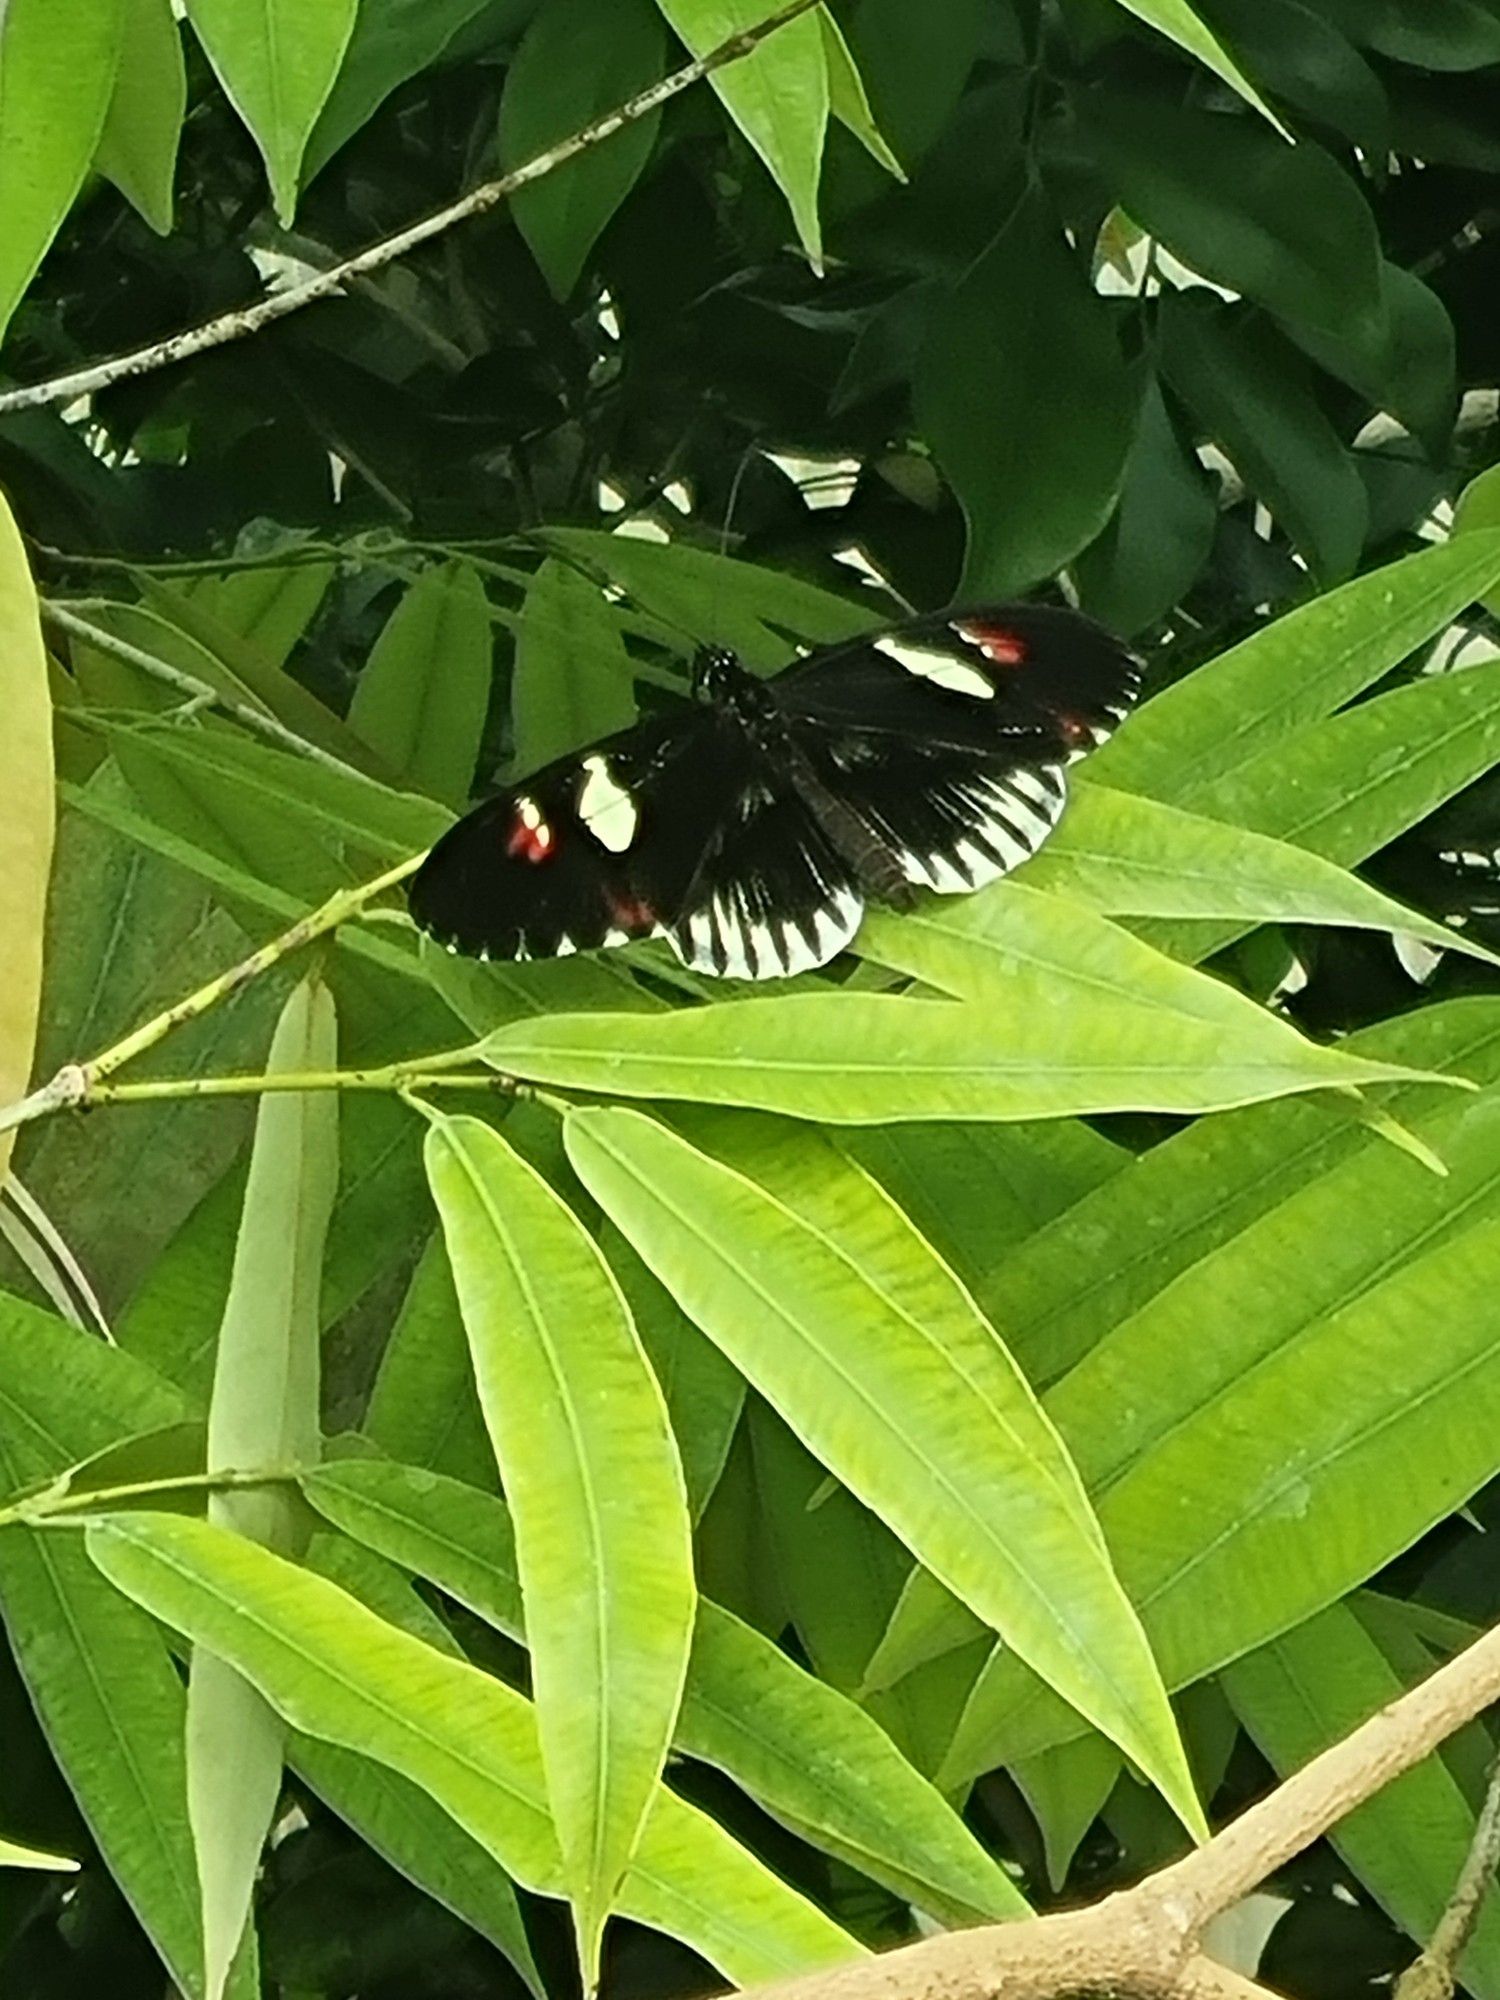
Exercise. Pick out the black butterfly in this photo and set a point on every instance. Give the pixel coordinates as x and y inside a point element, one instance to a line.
<point>751,829</point>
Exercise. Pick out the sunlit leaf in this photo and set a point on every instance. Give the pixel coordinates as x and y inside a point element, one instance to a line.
<point>264,1410</point>
<point>790,1258</point>
<point>26,825</point>
<point>277,60</point>
<point>338,1672</point>
<point>586,1454</point>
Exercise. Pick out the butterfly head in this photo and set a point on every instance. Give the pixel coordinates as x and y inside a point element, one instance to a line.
<point>717,675</point>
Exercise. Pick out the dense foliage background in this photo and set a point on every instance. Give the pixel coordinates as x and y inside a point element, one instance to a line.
<point>977,298</point>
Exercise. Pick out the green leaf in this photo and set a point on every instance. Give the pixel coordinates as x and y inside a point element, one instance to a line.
<point>1300,55</point>
<point>778,95</point>
<point>1159,536</point>
<point>1023,394</point>
<point>1438,35</point>
<point>13,1855</point>
<point>57,73</point>
<point>577,60</point>
<point>802,1751</point>
<point>1353,782</point>
<point>572,682</point>
<point>96,1669</point>
<point>1477,511</point>
<point>586,1453</point>
<point>1407,1844</point>
<point>277,60</point>
<point>138,145</point>
<point>832,1306</point>
<point>847,99</point>
<point>1127,855</point>
<point>338,1672</point>
<point>704,1394</point>
<point>26,777</point>
<point>706,596</point>
<point>423,694</point>
<point>390,43</point>
<point>259,667</point>
<point>1250,392</point>
<point>1108,1255</point>
<point>1294,671</point>
<point>269,607</point>
<point>1185,25</point>
<point>423,1407</point>
<point>1403,362</point>
<point>856,1059</point>
<point>264,1410</point>
<point>1283,225</point>
<point>394,1815</point>
<point>1224,1536</point>
<point>1066,1788</point>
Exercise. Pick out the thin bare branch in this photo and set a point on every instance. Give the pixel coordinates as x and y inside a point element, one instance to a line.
<point>327,284</point>
<point>188,685</point>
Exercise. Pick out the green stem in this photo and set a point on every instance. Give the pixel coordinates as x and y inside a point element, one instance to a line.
<point>36,1509</point>
<point>398,1078</point>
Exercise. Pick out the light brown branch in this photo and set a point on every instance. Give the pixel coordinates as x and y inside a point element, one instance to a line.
<point>1144,1942</point>
<point>276,305</point>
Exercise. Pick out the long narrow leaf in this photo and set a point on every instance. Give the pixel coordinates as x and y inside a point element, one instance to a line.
<point>807,1754</point>
<point>810,1279</point>
<point>586,1453</point>
<point>263,1411</point>
<point>336,1671</point>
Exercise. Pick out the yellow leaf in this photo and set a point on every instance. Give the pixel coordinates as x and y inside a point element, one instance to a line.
<point>26,821</point>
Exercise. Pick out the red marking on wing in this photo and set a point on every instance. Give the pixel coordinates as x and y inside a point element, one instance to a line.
<point>1075,730</point>
<point>529,843</point>
<point>1005,648</point>
<point>631,913</point>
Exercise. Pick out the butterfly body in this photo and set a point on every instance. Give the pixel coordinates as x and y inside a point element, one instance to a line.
<point>752,828</point>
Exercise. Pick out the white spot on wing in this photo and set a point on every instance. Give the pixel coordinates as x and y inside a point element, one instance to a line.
<point>932,663</point>
<point>724,939</point>
<point>605,807</point>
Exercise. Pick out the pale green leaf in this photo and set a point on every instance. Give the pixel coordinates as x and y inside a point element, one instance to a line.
<point>1124,854</point>
<point>1246,1504</point>
<point>57,73</point>
<point>277,60</point>
<point>869,1059</point>
<point>138,146</point>
<point>422,696</point>
<point>847,98</point>
<point>338,1672</point>
<point>586,1454</point>
<point>804,1752</point>
<point>263,1411</point>
<point>96,1669</point>
<point>270,606</point>
<point>831,1305</point>
<point>778,95</point>
<point>1294,671</point>
<point>26,782</point>
<point>13,1855</point>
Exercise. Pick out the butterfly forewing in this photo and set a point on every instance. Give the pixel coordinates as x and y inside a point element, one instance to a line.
<point>750,829</point>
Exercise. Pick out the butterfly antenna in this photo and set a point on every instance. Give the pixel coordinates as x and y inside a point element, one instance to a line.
<point>750,451</point>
